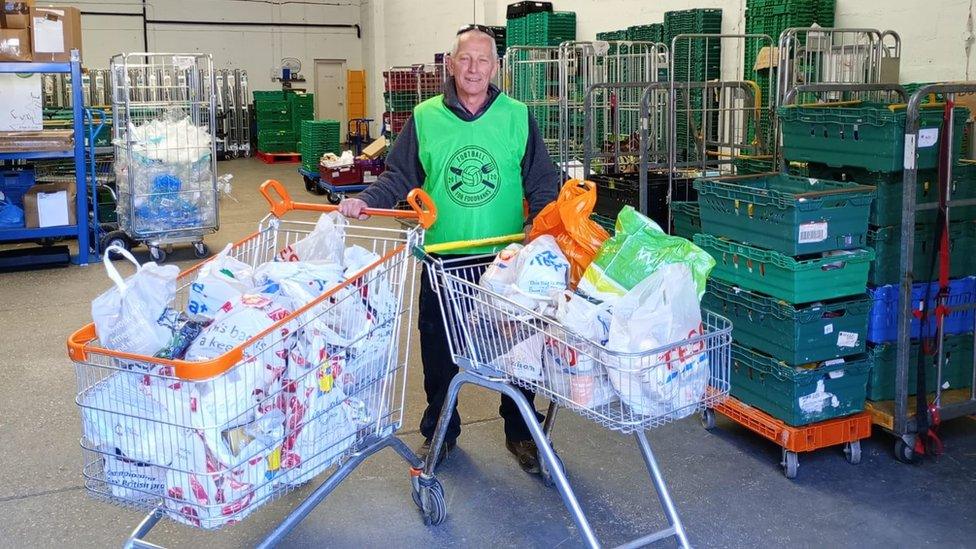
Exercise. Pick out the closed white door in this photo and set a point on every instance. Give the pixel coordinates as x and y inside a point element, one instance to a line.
<point>330,90</point>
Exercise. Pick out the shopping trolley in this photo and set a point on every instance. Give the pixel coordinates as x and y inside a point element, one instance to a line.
<point>206,443</point>
<point>612,389</point>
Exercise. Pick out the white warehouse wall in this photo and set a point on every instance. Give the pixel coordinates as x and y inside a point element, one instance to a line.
<point>255,49</point>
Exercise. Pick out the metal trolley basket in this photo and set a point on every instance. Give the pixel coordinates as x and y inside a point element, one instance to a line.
<point>613,389</point>
<point>207,443</point>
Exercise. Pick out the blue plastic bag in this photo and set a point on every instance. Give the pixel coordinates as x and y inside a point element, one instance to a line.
<point>11,216</point>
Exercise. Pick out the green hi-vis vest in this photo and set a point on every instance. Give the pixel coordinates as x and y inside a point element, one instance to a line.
<point>474,170</point>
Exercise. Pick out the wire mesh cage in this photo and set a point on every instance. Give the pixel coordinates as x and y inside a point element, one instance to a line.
<point>163,108</point>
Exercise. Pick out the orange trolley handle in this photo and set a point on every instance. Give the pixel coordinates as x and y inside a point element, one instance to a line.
<point>424,210</point>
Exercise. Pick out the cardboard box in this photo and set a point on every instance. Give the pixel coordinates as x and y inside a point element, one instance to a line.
<point>15,15</point>
<point>15,45</point>
<point>49,205</point>
<point>55,31</point>
<point>376,148</point>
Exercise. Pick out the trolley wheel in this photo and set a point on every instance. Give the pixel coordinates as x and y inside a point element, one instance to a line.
<point>547,478</point>
<point>791,462</point>
<point>312,186</point>
<point>708,419</point>
<point>905,452</point>
<point>334,197</point>
<point>157,254</point>
<point>431,502</point>
<point>852,451</point>
<point>116,238</point>
<point>200,250</point>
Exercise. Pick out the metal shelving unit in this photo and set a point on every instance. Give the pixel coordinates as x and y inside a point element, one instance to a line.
<point>79,230</point>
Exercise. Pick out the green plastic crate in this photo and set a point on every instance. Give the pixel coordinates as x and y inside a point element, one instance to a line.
<point>957,370</point>
<point>795,334</point>
<point>887,206</point>
<point>751,165</point>
<point>869,136</point>
<point>267,106</point>
<point>886,243</point>
<point>788,214</point>
<point>277,135</point>
<point>686,218</point>
<point>273,116</point>
<point>274,126</point>
<point>792,280</point>
<point>799,396</point>
<point>275,95</point>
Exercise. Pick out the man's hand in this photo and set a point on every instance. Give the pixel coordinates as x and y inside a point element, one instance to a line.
<point>353,208</point>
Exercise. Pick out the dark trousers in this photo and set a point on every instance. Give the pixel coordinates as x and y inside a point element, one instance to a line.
<point>439,369</point>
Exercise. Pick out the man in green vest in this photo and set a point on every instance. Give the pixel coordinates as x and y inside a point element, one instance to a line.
<point>479,154</point>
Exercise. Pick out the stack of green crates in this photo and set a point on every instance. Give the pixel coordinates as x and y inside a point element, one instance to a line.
<point>302,107</point>
<point>864,143</point>
<point>276,132</point>
<point>646,33</point>
<point>693,61</point>
<point>772,17</point>
<point>515,32</point>
<point>318,137</point>
<point>550,29</point>
<point>791,272</point>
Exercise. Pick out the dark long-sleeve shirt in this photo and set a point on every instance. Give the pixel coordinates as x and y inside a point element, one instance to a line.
<point>404,172</point>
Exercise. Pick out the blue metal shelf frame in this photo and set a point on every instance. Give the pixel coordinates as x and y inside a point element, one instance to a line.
<point>80,229</point>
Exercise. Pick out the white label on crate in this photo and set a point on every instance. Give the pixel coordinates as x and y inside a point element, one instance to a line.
<point>927,137</point>
<point>909,162</point>
<point>828,329</point>
<point>847,339</point>
<point>813,232</point>
<point>369,178</point>
<point>335,175</point>
<point>836,374</point>
<point>834,362</point>
<point>817,400</point>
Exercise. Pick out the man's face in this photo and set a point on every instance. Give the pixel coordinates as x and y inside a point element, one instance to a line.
<point>475,63</point>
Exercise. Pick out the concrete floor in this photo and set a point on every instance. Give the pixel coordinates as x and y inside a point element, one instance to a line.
<point>726,483</point>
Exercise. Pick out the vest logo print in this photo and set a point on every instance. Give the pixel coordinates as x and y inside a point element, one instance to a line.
<point>472,178</point>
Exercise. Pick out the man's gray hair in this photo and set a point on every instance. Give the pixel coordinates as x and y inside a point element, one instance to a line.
<point>457,39</point>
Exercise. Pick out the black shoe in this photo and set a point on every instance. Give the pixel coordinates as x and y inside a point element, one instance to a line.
<point>446,449</point>
<point>527,454</point>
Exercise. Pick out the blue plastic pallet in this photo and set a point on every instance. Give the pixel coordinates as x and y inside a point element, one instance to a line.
<point>883,319</point>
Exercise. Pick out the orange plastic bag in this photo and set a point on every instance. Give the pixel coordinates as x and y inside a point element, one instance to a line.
<point>567,219</point>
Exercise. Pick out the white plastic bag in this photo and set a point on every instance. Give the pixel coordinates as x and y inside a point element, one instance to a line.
<point>660,311</point>
<point>542,269</point>
<point>326,242</point>
<point>524,360</point>
<point>500,275</point>
<point>132,480</point>
<point>220,280</point>
<point>129,317</point>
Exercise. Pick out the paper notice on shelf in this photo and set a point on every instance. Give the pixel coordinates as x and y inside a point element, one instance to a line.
<point>927,137</point>
<point>52,209</point>
<point>20,103</point>
<point>813,232</point>
<point>48,35</point>
<point>847,339</point>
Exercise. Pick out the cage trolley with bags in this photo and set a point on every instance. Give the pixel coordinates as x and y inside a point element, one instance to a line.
<point>164,133</point>
<point>206,443</point>
<point>492,337</point>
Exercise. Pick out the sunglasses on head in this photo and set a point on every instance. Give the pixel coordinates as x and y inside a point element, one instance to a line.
<point>483,28</point>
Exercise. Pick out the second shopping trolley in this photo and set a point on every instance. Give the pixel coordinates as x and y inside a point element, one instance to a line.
<point>619,391</point>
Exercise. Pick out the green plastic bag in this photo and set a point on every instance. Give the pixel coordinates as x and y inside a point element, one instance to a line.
<point>639,248</point>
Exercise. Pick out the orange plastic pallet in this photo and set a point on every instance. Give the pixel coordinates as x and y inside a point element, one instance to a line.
<point>798,439</point>
<point>275,158</point>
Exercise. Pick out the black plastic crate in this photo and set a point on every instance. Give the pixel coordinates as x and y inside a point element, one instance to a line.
<point>521,9</point>
<point>614,191</point>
